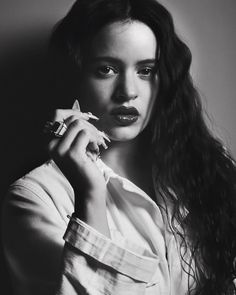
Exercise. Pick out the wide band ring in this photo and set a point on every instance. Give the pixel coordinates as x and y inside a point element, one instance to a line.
<point>57,128</point>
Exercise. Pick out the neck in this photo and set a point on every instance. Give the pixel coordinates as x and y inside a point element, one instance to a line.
<point>120,155</point>
<point>132,160</point>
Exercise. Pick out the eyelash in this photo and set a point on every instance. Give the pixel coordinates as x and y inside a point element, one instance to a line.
<point>150,72</point>
<point>104,71</point>
<point>101,71</point>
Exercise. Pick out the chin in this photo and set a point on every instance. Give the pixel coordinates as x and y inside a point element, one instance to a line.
<point>123,133</point>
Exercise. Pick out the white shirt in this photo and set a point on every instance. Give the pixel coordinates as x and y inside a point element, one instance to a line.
<point>141,257</point>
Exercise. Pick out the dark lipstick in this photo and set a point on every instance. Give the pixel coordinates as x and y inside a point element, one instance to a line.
<point>125,116</point>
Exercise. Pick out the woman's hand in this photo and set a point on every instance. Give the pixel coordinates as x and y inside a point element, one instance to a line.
<point>75,152</point>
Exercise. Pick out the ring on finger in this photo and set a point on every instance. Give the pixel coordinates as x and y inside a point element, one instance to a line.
<point>57,128</point>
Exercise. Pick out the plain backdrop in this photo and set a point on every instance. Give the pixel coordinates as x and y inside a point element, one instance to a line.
<point>208,27</point>
<point>27,83</point>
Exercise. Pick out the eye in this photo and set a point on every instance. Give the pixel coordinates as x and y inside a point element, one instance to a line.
<point>106,71</point>
<point>146,72</point>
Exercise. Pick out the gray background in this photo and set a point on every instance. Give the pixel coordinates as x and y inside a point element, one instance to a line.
<point>207,26</point>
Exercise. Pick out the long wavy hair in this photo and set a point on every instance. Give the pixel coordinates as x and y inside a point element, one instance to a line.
<point>192,171</point>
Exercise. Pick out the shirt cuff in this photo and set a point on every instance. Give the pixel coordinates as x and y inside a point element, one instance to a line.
<point>89,241</point>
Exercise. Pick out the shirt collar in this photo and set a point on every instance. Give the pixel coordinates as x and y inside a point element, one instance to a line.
<point>126,184</point>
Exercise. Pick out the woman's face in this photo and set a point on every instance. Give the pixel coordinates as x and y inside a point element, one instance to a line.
<point>119,80</point>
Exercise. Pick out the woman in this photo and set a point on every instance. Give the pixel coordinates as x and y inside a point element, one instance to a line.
<point>154,215</point>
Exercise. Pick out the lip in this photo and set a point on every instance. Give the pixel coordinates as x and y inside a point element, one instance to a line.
<point>125,116</point>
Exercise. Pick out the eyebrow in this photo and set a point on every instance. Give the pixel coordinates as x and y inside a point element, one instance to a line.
<point>117,60</point>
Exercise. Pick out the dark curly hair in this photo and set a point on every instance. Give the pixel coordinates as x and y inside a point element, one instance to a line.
<point>191,168</point>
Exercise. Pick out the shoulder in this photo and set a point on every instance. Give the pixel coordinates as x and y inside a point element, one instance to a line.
<point>46,176</point>
<point>33,222</point>
<point>44,186</point>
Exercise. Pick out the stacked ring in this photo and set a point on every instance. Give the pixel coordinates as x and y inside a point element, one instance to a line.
<point>56,128</point>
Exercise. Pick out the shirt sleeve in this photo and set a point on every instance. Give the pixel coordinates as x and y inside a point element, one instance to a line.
<point>85,262</point>
<point>114,268</point>
<point>32,232</point>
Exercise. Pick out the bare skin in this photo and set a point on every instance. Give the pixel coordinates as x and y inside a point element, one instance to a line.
<point>132,160</point>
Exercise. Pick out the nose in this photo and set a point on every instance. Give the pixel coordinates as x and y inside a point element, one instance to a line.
<point>126,88</point>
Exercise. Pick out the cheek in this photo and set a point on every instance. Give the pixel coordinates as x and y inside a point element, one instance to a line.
<point>96,94</point>
<point>149,108</point>
<point>151,93</point>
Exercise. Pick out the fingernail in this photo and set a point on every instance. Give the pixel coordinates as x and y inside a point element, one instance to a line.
<point>91,116</point>
<point>104,145</point>
<point>76,105</point>
<point>92,156</point>
<point>96,151</point>
<point>104,135</point>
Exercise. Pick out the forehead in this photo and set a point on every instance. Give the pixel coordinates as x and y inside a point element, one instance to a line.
<point>129,40</point>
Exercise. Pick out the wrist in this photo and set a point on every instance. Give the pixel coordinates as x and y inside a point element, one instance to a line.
<point>90,200</point>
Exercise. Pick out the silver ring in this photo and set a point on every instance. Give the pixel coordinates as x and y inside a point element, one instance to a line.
<point>57,128</point>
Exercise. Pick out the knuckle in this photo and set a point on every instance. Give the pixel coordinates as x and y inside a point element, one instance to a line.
<point>71,154</point>
<point>93,130</point>
<point>100,140</point>
<point>91,126</point>
<point>57,153</point>
<point>76,123</point>
<point>85,132</point>
<point>51,145</point>
<point>71,119</point>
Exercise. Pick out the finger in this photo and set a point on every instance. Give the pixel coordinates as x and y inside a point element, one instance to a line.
<point>96,133</point>
<point>59,147</point>
<point>92,156</point>
<point>85,141</point>
<point>104,135</point>
<point>61,144</point>
<point>58,127</point>
<point>102,143</point>
<point>65,143</point>
<point>76,105</point>
<point>93,147</point>
<point>75,127</point>
<point>63,115</point>
<point>84,146</point>
<point>85,116</point>
<point>78,148</point>
<point>81,116</point>
<point>52,144</point>
<point>100,133</point>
